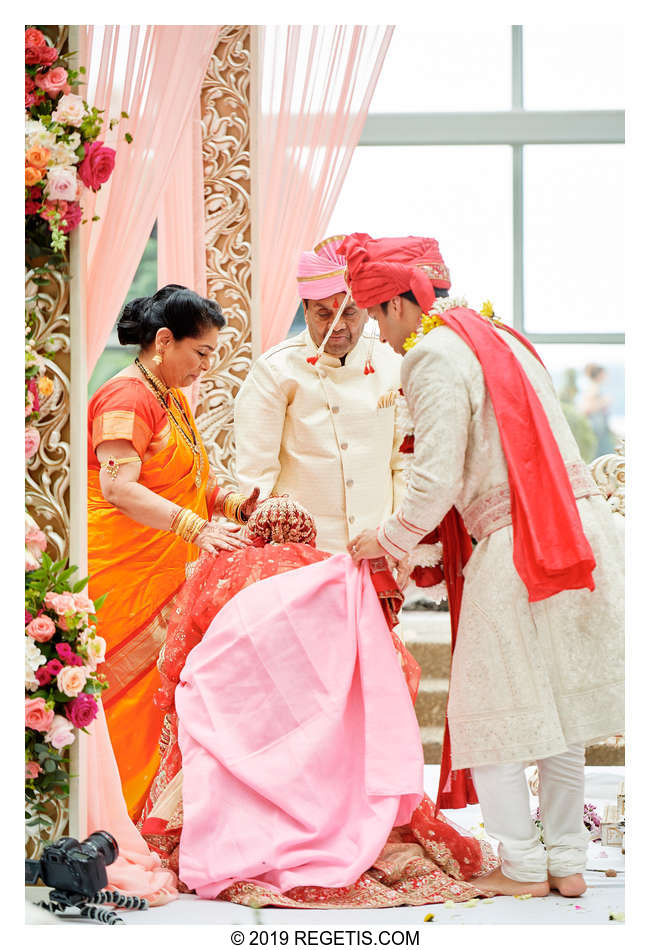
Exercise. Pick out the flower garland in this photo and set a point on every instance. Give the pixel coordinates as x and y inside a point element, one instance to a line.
<point>62,151</point>
<point>62,654</point>
<point>432,319</point>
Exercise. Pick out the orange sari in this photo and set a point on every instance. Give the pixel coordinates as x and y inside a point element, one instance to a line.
<point>139,568</point>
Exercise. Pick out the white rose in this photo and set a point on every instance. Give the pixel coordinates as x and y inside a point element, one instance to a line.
<point>70,110</point>
<point>62,154</point>
<point>61,183</point>
<point>33,656</point>
<point>74,141</point>
<point>37,134</point>
<point>96,650</point>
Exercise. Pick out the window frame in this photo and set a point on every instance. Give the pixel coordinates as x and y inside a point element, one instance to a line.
<point>516,127</point>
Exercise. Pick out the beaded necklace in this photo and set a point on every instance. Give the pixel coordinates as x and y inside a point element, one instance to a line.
<point>161,392</point>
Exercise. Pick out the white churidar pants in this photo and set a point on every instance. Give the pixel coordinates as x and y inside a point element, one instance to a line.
<point>503,795</point>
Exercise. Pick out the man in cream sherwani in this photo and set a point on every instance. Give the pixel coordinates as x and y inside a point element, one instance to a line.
<point>317,432</point>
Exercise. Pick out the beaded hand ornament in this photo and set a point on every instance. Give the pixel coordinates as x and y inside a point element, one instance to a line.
<point>281,520</point>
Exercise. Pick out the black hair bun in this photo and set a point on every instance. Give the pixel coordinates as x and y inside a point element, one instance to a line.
<point>132,327</point>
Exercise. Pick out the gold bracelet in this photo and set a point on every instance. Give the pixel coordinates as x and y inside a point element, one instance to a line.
<point>232,506</point>
<point>183,521</point>
<point>175,518</point>
<point>197,526</point>
<point>188,525</point>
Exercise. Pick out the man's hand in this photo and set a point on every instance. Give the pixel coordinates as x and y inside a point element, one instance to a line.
<point>250,504</point>
<point>365,545</point>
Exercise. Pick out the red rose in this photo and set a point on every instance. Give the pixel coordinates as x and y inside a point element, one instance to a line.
<point>97,166</point>
<point>37,54</point>
<point>82,710</point>
<point>32,207</point>
<point>34,37</point>
<point>43,676</point>
<point>30,85</point>
<point>71,217</point>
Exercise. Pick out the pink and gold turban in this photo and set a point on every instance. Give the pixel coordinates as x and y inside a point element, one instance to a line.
<point>386,267</point>
<point>321,271</point>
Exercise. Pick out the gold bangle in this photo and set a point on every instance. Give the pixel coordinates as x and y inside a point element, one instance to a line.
<point>232,506</point>
<point>197,524</point>
<point>183,521</point>
<point>175,518</point>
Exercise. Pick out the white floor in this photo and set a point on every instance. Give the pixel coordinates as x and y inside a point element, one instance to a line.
<point>604,896</point>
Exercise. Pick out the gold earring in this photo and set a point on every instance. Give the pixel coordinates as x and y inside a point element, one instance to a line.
<point>158,359</point>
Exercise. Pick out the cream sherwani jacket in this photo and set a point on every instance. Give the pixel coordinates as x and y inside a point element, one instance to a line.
<point>317,434</point>
<point>527,680</point>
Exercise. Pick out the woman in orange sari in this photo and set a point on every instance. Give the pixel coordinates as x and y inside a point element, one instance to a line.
<point>150,499</point>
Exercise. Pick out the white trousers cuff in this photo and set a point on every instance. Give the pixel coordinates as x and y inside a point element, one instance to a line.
<point>503,794</point>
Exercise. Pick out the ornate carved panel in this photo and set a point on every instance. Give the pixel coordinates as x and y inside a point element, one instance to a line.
<point>47,474</point>
<point>226,165</point>
<point>609,474</point>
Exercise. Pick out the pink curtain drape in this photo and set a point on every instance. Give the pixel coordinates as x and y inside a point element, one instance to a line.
<point>316,86</point>
<point>154,74</point>
<point>181,217</point>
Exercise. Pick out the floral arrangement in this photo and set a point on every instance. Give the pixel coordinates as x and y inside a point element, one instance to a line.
<point>591,819</point>
<point>63,153</point>
<point>62,656</point>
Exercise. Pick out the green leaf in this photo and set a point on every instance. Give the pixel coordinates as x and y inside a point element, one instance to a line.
<point>49,765</point>
<point>128,137</point>
<point>79,586</point>
<point>99,601</point>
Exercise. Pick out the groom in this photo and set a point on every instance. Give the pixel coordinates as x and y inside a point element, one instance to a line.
<point>537,669</point>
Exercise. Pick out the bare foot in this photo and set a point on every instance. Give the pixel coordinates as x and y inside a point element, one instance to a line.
<point>571,886</point>
<point>497,883</point>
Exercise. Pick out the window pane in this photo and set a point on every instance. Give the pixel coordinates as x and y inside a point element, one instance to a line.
<point>590,381</point>
<point>461,195</point>
<point>573,238</point>
<point>573,67</point>
<point>456,71</point>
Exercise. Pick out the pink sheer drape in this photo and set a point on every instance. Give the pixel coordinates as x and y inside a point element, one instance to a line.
<point>316,86</point>
<point>154,74</point>
<point>181,218</point>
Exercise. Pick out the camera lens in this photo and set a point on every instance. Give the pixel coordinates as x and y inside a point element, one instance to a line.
<point>105,844</point>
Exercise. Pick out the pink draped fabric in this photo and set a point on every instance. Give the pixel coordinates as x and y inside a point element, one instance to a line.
<point>298,721</point>
<point>181,218</point>
<point>316,86</point>
<point>154,74</point>
<point>137,870</point>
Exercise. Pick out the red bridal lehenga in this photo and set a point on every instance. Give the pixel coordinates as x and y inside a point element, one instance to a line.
<point>427,860</point>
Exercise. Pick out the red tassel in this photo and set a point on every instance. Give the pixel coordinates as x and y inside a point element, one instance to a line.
<point>312,359</point>
<point>368,368</point>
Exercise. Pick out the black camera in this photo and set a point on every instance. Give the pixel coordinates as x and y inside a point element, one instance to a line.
<point>74,867</point>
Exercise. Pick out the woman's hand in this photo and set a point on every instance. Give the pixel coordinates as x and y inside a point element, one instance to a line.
<point>250,504</point>
<point>221,537</point>
<point>365,545</point>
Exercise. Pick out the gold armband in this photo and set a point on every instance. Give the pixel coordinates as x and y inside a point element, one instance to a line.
<point>112,465</point>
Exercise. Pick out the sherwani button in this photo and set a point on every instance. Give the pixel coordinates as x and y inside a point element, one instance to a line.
<point>351,519</point>
<point>335,408</point>
<point>344,445</point>
<point>350,482</point>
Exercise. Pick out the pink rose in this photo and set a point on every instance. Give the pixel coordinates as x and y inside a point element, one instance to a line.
<point>37,715</point>
<point>70,110</point>
<point>29,402</point>
<point>97,165</point>
<point>54,667</point>
<point>83,604</point>
<point>82,710</point>
<point>32,563</point>
<point>61,183</point>
<point>71,680</point>
<point>52,82</point>
<point>61,603</point>
<point>41,629</point>
<point>32,770</point>
<point>32,441</point>
<point>60,733</point>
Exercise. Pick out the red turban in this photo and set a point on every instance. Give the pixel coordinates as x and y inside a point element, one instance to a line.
<point>387,267</point>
